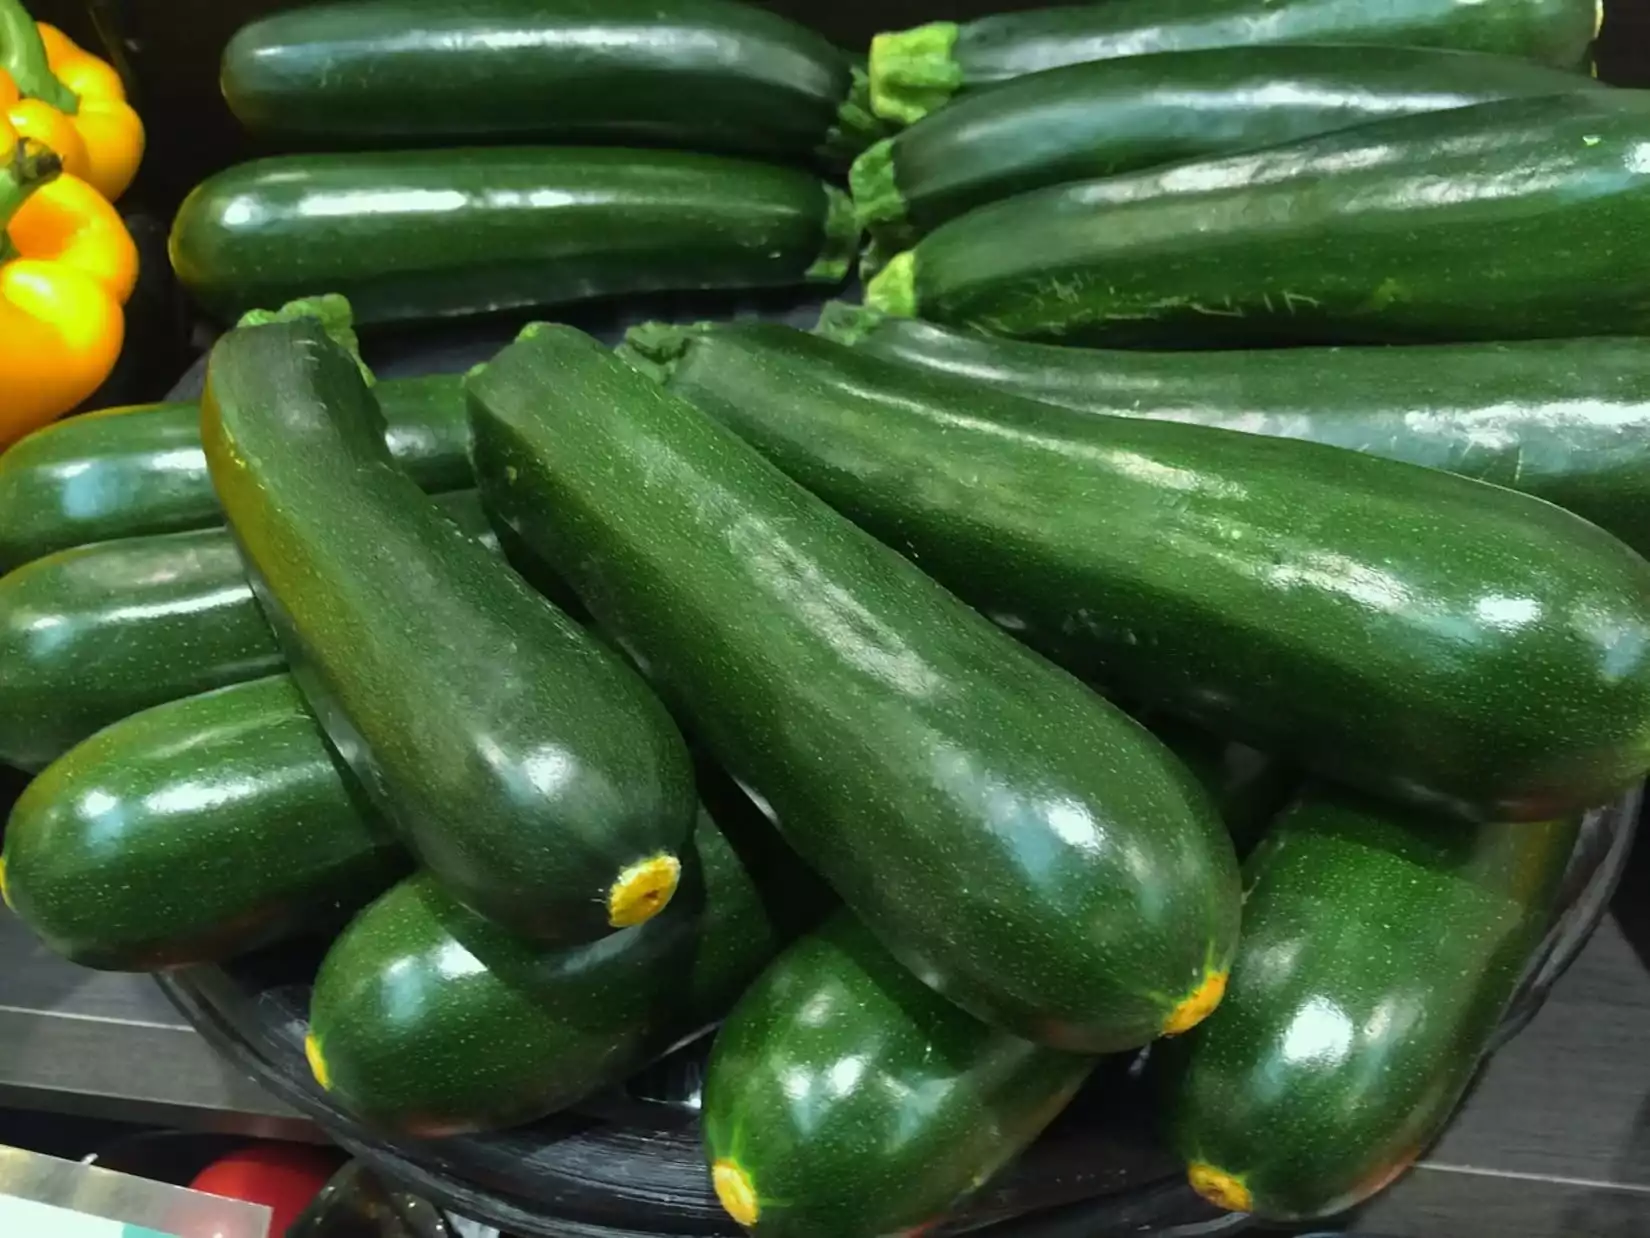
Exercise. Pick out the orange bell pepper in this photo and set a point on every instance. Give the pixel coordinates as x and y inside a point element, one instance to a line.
<point>67,267</point>
<point>94,130</point>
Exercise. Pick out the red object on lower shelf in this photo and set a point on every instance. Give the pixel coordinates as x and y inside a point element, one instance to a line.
<point>284,1177</point>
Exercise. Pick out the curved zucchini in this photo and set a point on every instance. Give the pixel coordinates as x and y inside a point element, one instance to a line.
<point>431,1020</point>
<point>1379,954</point>
<point>817,1073</point>
<point>1110,116</point>
<point>127,472</point>
<point>1409,632</point>
<point>1565,420</point>
<point>914,72</point>
<point>193,832</point>
<point>527,766</point>
<point>699,74</point>
<point>1501,221</point>
<point>411,235</point>
<point>1030,851</point>
<point>93,634</point>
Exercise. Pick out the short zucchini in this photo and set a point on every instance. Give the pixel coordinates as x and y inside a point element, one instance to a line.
<point>524,763</point>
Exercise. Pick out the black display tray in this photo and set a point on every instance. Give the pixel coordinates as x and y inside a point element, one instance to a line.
<point>628,1164</point>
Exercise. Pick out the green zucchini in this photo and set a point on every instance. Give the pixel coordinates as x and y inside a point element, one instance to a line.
<point>430,1020</point>
<point>1249,788</point>
<point>1502,221</point>
<point>125,472</point>
<point>846,1098</point>
<point>1565,420</point>
<point>699,74</point>
<point>1024,847</point>
<point>192,832</point>
<point>526,765</point>
<point>411,235</point>
<point>1413,633</point>
<point>914,72</point>
<point>1379,954</point>
<point>93,634</point>
<point>1111,116</point>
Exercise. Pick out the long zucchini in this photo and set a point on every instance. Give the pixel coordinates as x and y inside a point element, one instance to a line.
<point>699,74</point>
<point>526,764</point>
<point>1027,849</point>
<point>916,71</point>
<point>1565,420</point>
<point>127,472</point>
<point>1411,632</point>
<point>1502,221</point>
<point>1111,116</point>
<point>192,832</point>
<point>431,1020</point>
<point>1379,953</point>
<point>410,235</point>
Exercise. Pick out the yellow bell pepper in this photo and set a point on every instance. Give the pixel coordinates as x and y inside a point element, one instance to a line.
<point>67,267</point>
<point>94,131</point>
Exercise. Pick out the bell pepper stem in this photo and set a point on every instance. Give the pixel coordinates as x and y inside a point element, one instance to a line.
<point>23,55</point>
<point>29,166</point>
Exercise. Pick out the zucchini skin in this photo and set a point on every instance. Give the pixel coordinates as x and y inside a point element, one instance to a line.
<point>1415,634</point>
<point>1029,851</point>
<point>412,235</point>
<point>916,71</point>
<point>430,1020</point>
<point>193,832</point>
<point>1565,420</point>
<point>700,74</point>
<point>1501,221</point>
<point>128,472</point>
<point>810,1125</point>
<point>1106,117</point>
<point>1379,953</point>
<point>525,764</point>
<point>93,634</point>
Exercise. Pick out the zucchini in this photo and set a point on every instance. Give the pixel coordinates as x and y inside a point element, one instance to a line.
<point>812,1118</point>
<point>192,832</point>
<point>1110,116</point>
<point>126,472</point>
<point>430,1020</point>
<point>914,72</point>
<point>1407,631</point>
<point>1027,849</point>
<point>526,765</point>
<point>93,634</point>
<point>699,74</point>
<point>1565,420</point>
<point>411,235</point>
<point>1501,221</point>
<point>1379,953</point>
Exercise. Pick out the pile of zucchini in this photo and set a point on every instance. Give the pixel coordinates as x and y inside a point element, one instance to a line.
<point>1240,452</point>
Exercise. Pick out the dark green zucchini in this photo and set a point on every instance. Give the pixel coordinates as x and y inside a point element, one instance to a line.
<point>913,72</point>
<point>700,74</point>
<point>1027,849</point>
<point>1379,954</point>
<point>93,634</point>
<point>411,235</point>
<point>525,764</point>
<point>126,472</point>
<point>193,832</point>
<point>1413,633</point>
<point>1249,788</point>
<point>1502,221</point>
<point>1111,116</point>
<point>844,1097</point>
<point>431,1020</point>
<point>1565,420</point>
